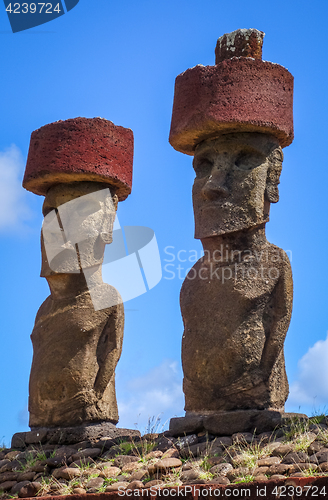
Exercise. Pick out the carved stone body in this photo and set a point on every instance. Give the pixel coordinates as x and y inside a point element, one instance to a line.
<point>83,167</point>
<point>75,353</point>
<point>76,346</point>
<point>236,301</point>
<point>234,330</point>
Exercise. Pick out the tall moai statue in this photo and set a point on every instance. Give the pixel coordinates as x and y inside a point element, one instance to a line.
<point>83,167</point>
<point>234,118</point>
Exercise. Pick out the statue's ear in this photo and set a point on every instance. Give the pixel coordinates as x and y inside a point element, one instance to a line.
<point>275,165</point>
<point>106,233</point>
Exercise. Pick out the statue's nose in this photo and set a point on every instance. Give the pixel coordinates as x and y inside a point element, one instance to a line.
<point>215,186</point>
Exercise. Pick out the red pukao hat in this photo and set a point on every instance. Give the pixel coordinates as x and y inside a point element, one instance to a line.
<point>241,93</point>
<point>80,149</point>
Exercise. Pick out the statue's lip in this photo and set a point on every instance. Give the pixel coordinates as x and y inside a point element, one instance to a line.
<point>221,204</point>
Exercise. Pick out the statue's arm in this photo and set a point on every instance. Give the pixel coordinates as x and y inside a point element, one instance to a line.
<point>276,318</point>
<point>109,349</point>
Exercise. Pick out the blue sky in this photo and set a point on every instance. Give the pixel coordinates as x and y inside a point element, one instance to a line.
<point>119,60</point>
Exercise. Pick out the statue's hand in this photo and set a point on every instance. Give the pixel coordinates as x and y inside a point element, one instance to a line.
<point>244,383</point>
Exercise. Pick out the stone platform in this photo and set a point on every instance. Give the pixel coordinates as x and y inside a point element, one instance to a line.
<point>161,465</point>
<point>71,435</point>
<point>229,422</point>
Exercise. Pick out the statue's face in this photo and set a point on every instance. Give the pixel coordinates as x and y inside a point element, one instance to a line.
<point>78,222</point>
<point>231,190</point>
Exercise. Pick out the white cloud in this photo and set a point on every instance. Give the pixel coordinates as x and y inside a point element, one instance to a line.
<point>311,386</point>
<point>156,394</point>
<point>13,207</point>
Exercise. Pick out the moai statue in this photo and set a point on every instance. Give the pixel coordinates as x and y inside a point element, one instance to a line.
<point>236,301</point>
<point>83,167</point>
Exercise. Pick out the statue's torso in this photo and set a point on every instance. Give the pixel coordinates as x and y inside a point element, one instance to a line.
<point>226,311</point>
<point>70,342</point>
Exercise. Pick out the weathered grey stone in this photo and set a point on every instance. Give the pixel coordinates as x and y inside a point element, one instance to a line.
<point>135,485</point>
<point>314,447</point>
<point>267,462</point>
<point>302,466</point>
<point>190,424</point>
<point>189,475</point>
<point>240,471</point>
<point>321,456</point>
<point>154,454</point>
<point>154,482</point>
<point>138,475</point>
<point>164,444</point>
<point>216,460</point>
<point>295,458</point>
<point>28,454</point>
<point>29,490</point>
<point>167,463</point>
<point>282,450</point>
<point>94,483</point>
<point>18,440</point>
<point>122,485</point>
<point>26,476</point>
<point>15,489</point>
<point>279,468</point>
<point>39,466</point>
<point>219,480</point>
<point>7,485</point>
<point>221,469</point>
<point>12,465</point>
<point>66,473</point>
<point>236,301</point>
<point>261,477</point>
<point>131,467</point>
<point>105,443</point>
<point>67,389</point>
<point>79,491</point>
<point>241,286</point>
<point>87,453</point>
<point>111,471</point>
<point>11,455</point>
<point>90,432</point>
<point>4,462</point>
<point>237,421</point>
<point>121,460</point>
<point>194,450</point>
<point>171,453</point>
<point>224,441</point>
<point>186,441</point>
<point>36,437</point>
<point>260,471</point>
<point>242,438</point>
<point>8,476</point>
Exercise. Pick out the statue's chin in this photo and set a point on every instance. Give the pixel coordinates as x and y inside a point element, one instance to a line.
<point>206,231</point>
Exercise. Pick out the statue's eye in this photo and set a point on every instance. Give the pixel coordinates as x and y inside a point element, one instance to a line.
<point>202,167</point>
<point>248,160</point>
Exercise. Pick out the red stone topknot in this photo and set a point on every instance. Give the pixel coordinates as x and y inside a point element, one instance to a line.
<point>80,149</point>
<point>241,93</point>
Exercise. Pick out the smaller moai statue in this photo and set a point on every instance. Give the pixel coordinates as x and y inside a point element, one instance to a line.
<point>234,118</point>
<point>83,167</point>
